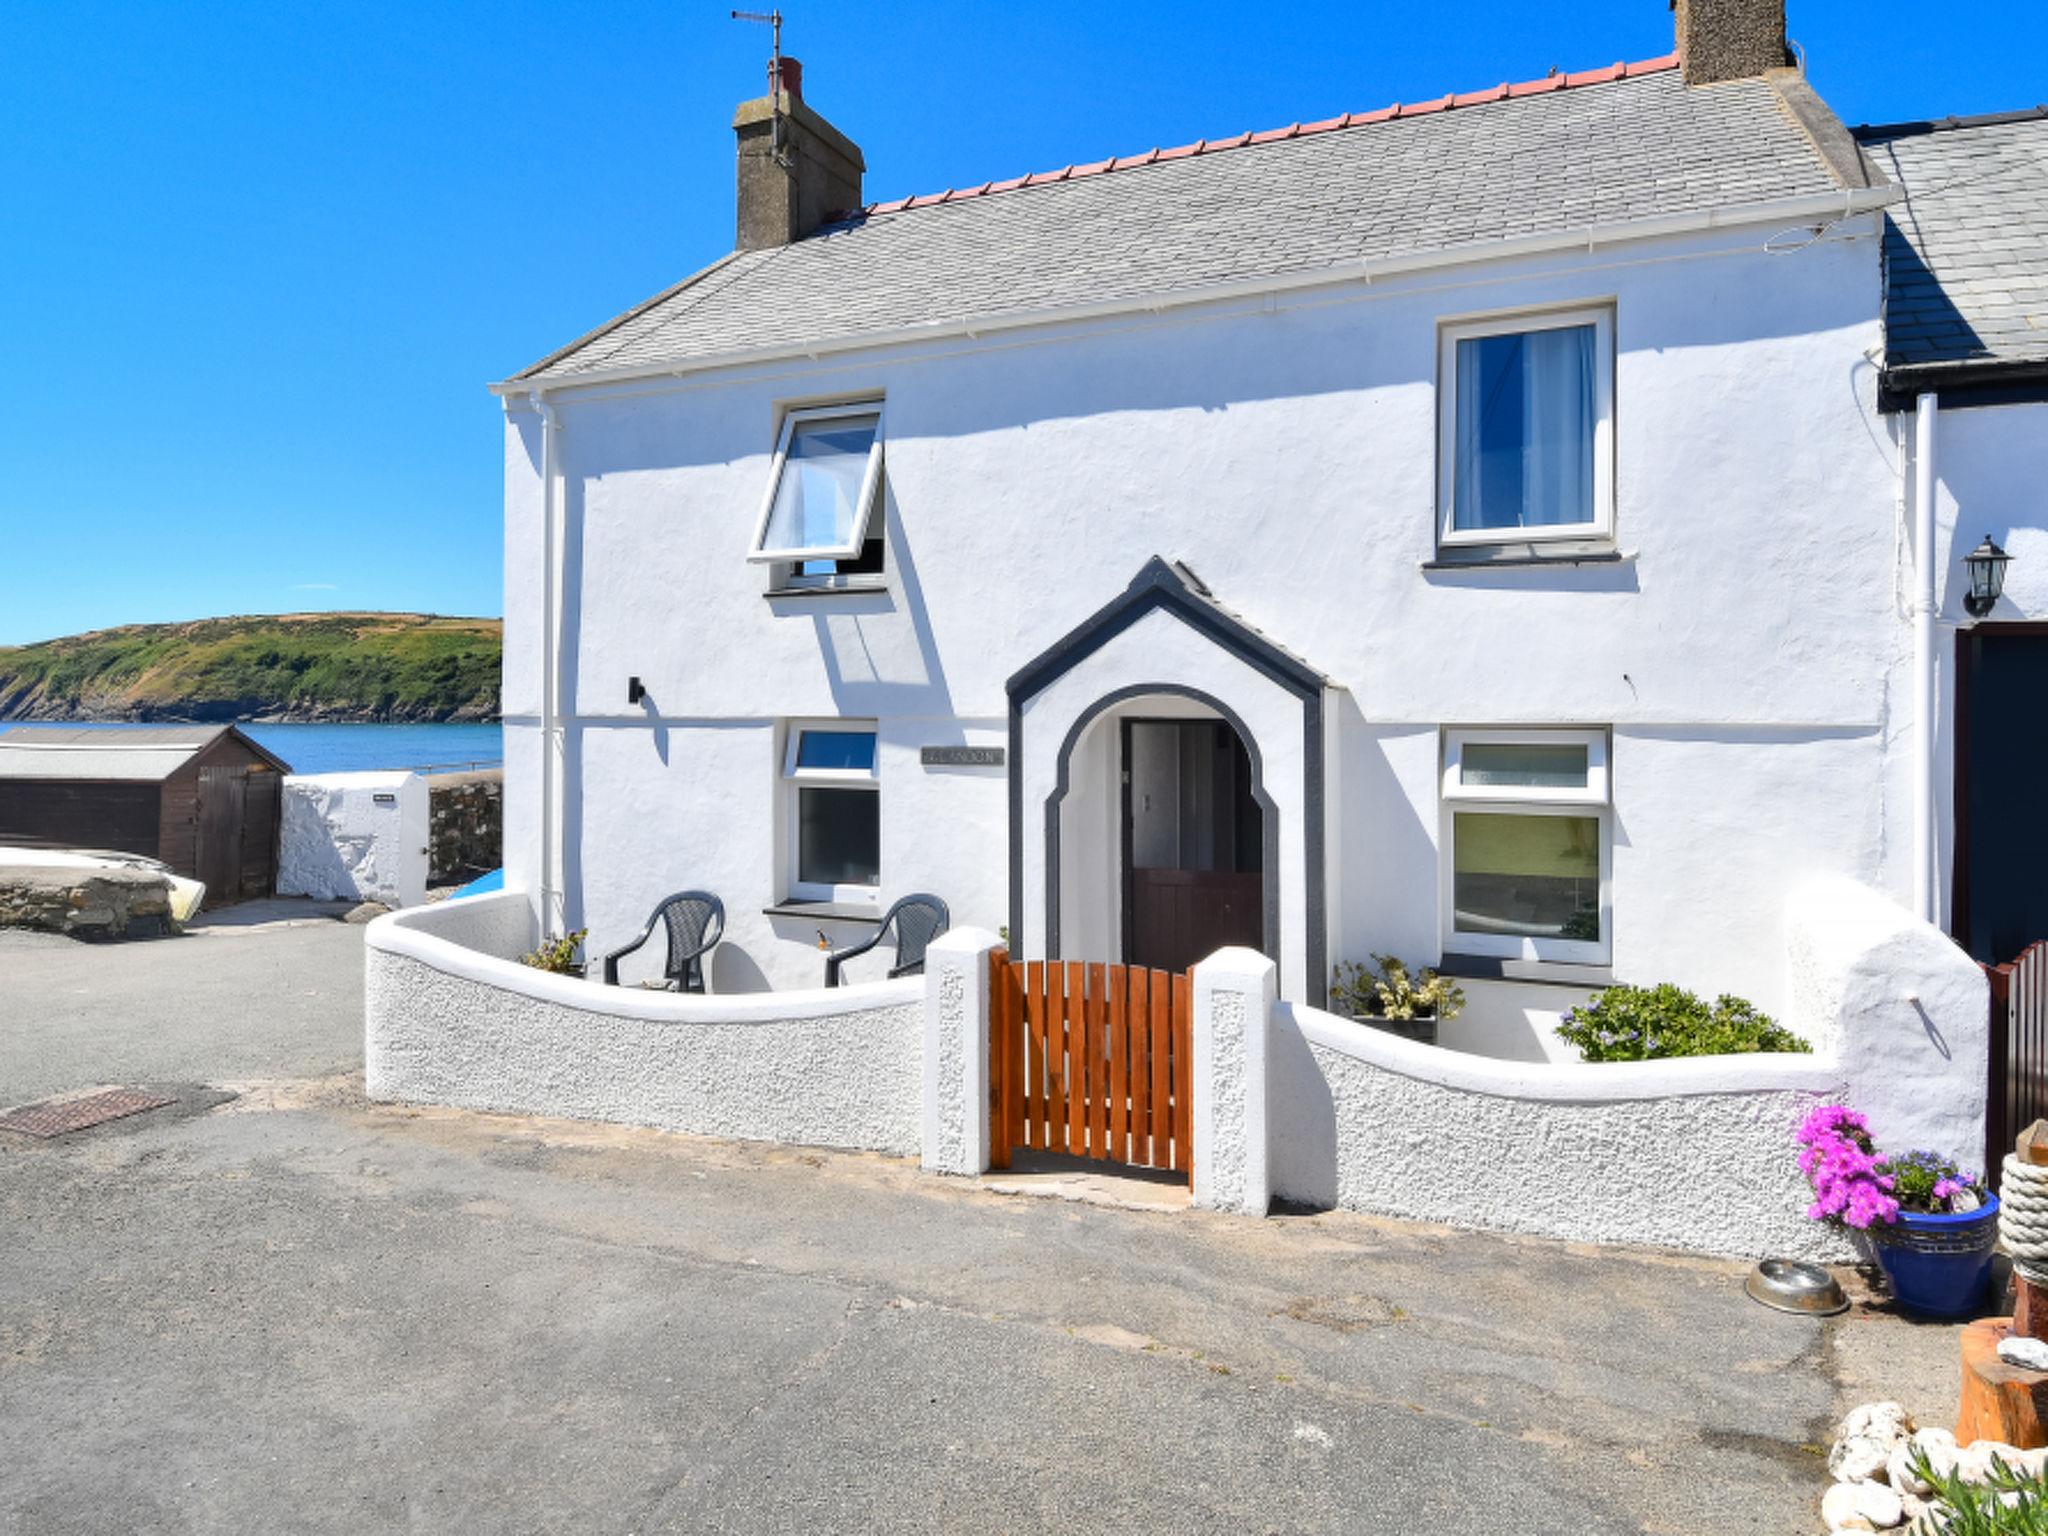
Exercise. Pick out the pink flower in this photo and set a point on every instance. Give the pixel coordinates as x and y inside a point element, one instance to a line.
<point>1840,1162</point>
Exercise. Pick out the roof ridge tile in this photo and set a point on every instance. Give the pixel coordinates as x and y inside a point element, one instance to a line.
<point>1556,80</point>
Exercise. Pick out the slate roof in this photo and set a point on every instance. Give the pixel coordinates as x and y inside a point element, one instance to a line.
<point>1966,250</point>
<point>138,754</point>
<point>1618,145</point>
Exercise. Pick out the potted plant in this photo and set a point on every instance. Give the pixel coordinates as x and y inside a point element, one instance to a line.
<point>557,956</point>
<point>1929,1225</point>
<point>1387,996</point>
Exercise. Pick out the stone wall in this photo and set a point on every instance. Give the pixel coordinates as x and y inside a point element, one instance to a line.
<point>466,837</point>
<point>110,903</point>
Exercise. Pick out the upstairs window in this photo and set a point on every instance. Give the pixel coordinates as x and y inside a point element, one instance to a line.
<point>835,812</point>
<point>823,488</point>
<point>1526,428</point>
<point>1527,833</point>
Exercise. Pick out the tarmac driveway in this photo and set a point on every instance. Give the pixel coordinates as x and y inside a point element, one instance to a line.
<point>287,1309</point>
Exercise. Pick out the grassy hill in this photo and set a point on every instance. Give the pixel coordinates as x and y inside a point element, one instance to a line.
<point>298,666</point>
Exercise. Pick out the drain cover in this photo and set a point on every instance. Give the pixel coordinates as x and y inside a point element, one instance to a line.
<point>58,1117</point>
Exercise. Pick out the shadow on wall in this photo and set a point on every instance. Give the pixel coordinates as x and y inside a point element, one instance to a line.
<point>1304,1161</point>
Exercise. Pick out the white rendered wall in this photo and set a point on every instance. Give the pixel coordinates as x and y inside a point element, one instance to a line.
<point>354,837</point>
<point>446,1023</point>
<point>1286,453</point>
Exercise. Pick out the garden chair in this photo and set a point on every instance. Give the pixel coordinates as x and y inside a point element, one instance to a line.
<point>696,922</point>
<point>917,921</point>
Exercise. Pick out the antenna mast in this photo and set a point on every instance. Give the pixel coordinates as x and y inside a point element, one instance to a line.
<point>774,20</point>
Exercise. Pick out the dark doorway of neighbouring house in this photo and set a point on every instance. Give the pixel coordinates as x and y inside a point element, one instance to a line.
<point>2001,868</point>
<point>1193,841</point>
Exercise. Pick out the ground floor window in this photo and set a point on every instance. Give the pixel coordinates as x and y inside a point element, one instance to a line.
<point>1527,825</point>
<point>835,811</point>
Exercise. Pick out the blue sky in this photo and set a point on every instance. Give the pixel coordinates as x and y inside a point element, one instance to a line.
<point>257,262</point>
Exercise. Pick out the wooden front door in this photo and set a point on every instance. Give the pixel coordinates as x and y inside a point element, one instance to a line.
<point>1193,841</point>
<point>222,793</point>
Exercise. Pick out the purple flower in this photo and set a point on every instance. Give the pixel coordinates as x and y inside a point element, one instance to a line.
<point>1840,1162</point>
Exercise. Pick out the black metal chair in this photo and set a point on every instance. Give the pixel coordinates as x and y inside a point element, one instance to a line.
<point>696,922</point>
<point>917,920</point>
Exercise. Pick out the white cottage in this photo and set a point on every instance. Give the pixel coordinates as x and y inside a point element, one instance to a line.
<point>1482,531</point>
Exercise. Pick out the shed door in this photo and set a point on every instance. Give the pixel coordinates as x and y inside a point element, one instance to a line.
<point>259,834</point>
<point>222,792</point>
<point>2001,896</point>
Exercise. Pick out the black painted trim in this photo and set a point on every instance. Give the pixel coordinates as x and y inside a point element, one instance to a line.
<point>1160,586</point>
<point>1959,386</point>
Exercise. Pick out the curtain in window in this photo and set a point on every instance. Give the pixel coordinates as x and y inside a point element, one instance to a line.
<point>1525,418</point>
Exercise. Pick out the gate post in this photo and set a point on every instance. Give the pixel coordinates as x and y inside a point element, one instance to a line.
<point>1235,990</point>
<point>956,1001</point>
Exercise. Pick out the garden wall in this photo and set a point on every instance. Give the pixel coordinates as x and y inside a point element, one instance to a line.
<point>452,1018</point>
<point>466,825</point>
<point>354,837</point>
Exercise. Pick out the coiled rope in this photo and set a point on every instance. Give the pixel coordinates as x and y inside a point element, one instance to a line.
<point>2023,1218</point>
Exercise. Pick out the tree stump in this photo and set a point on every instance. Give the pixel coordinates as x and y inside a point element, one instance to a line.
<point>1999,1401</point>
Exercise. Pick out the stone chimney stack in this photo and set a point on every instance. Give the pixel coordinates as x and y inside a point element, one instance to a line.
<point>795,169</point>
<point>1730,39</point>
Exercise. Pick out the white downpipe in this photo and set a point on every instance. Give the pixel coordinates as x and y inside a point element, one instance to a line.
<point>551,905</point>
<point>1926,593</point>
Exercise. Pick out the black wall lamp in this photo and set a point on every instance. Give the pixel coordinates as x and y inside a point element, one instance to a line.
<point>1987,564</point>
<point>635,690</point>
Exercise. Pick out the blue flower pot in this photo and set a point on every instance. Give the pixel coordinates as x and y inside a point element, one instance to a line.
<point>1938,1266</point>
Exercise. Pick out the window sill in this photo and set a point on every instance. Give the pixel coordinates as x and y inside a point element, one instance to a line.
<point>1512,556</point>
<point>827,911</point>
<point>862,589</point>
<point>1555,973</point>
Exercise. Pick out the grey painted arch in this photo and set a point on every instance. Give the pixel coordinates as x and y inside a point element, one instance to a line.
<point>1160,585</point>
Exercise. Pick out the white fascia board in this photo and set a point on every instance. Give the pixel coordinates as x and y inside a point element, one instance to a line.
<point>1830,206</point>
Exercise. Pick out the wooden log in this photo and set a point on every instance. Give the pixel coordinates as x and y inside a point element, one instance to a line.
<point>1999,1401</point>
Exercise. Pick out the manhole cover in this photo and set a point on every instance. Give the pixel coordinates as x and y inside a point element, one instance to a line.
<point>59,1117</point>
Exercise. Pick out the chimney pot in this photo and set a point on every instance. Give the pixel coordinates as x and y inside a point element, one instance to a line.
<point>792,75</point>
<point>1729,39</point>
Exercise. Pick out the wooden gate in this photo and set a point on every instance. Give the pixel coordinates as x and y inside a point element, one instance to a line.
<point>2018,1085</point>
<point>1090,1060</point>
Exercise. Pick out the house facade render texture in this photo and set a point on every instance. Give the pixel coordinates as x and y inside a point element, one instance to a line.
<point>1481,532</point>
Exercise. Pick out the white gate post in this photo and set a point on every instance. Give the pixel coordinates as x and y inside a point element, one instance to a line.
<point>1235,990</point>
<point>956,998</point>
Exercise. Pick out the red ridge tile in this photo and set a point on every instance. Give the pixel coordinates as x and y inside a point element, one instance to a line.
<point>1506,91</point>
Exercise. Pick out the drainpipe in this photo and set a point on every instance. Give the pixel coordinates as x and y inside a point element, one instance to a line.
<point>1926,595</point>
<point>550,451</point>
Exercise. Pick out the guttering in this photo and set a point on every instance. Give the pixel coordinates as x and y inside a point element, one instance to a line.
<point>1829,207</point>
<point>552,913</point>
<point>1926,593</point>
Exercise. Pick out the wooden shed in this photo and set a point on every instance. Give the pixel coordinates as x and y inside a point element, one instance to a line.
<point>202,798</point>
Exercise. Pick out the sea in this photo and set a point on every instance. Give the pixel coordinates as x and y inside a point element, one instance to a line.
<point>348,748</point>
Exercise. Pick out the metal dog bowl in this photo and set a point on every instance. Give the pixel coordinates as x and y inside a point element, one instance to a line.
<point>1787,1285</point>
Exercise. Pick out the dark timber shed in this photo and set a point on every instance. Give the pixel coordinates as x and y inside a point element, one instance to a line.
<point>202,798</point>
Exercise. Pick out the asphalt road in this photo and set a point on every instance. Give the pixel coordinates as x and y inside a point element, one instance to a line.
<point>221,1002</point>
<point>292,1310</point>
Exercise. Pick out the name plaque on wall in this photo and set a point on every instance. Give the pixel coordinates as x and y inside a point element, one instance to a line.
<point>960,757</point>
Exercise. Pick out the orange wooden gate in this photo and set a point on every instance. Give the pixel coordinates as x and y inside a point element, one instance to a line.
<point>1090,1060</point>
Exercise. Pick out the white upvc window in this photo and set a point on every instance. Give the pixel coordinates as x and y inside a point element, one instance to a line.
<point>1528,845</point>
<point>834,809</point>
<point>823,486</point>
<point>1525,407</point>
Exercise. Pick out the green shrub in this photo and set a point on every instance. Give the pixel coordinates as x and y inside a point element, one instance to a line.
<point>557,955</point>
<point>1391,993</point>
<point>1650,1023</point>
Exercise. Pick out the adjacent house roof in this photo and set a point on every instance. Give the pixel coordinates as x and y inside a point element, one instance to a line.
<point>139,754</point>
<point>1462,173</point>
<point>1966,249</point>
